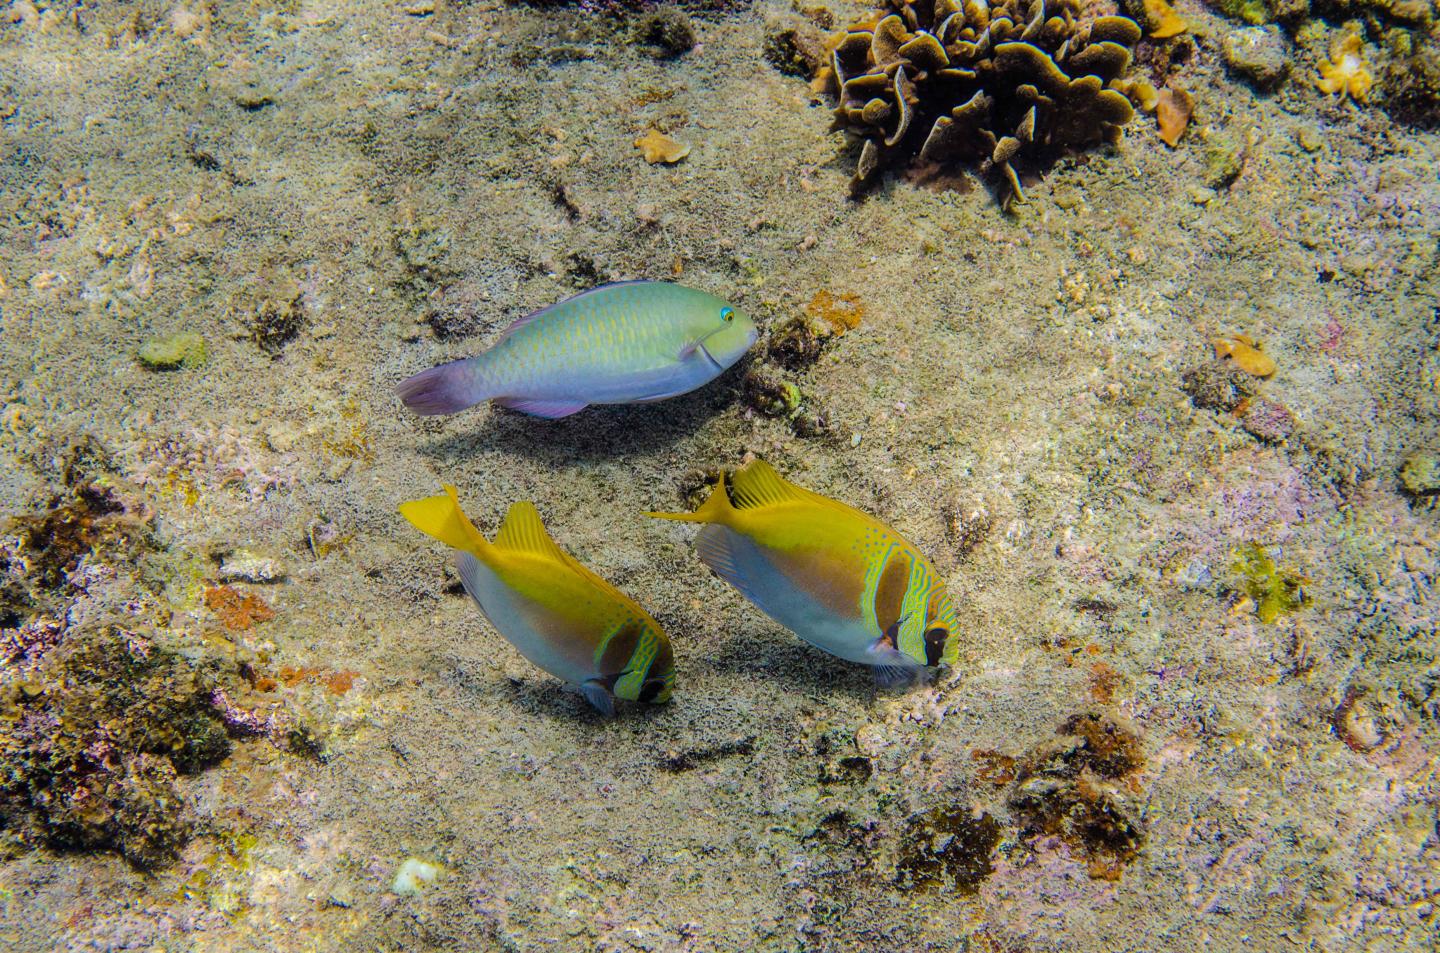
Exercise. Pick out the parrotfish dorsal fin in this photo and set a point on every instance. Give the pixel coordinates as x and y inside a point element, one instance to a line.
<point>757,484</point>
<point>441,517</point>
<point>523,530</point>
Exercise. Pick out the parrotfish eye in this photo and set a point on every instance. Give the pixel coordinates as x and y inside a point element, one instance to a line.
<point>727,315</point>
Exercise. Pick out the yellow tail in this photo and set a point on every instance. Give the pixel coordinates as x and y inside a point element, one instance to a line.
<point>717,509</point>
<point>442,518</point>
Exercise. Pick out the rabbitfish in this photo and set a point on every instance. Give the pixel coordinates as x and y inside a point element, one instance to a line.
<point>841,580</point>
<point>624,343</point>
<point>560,615</point>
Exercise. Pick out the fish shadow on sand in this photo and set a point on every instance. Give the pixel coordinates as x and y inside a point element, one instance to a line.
<point>795,667</point>
<point>605,431</point>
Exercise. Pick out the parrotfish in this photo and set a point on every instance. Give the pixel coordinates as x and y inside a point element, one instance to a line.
<point>631,342</point>
<point>558,614</point>
<point>840,579</point>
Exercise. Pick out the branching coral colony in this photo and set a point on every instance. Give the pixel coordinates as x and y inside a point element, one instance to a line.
<point>947,81</point>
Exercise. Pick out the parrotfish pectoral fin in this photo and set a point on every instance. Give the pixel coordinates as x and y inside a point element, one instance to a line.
<point>549,409</point>
<point>442,390</point>
<point>599,697</point>
<point>442,518</point>
<point>716,509</point>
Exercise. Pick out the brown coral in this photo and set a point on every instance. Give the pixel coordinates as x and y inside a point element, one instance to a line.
<point>946,81</point>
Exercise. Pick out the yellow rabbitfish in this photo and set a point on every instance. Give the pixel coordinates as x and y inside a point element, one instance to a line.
<point>841,580</point>
<point>558,614</point>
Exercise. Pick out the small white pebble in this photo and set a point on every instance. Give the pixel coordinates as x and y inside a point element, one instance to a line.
<point>855,439</point>
<point>413,876</point>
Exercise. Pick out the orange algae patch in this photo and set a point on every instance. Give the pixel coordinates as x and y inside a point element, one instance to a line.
<point>1345,72</point>
<point>237,611</point>
<point>842,312</point>
<point>1172,112</point>
<point>996,768</point>
<point>658,147</point>
<point>1246,352</point>
<point>1103,682</point>
<point>1167,22</point>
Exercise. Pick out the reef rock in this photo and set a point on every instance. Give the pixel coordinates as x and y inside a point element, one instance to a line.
<point>1260,54</point>
<point>963,81</point>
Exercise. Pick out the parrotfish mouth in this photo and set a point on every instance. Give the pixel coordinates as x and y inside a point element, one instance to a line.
<point>700,346</point>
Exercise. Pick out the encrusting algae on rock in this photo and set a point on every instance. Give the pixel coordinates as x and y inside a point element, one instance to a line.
<point>1173,107</point>
<point>658,148</point>
<point>1245,352</point>
<point>1345,73</point>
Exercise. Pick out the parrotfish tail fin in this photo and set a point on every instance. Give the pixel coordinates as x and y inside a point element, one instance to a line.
<point>441,517</point>
<point>443,390</point>
<point>717,509</point>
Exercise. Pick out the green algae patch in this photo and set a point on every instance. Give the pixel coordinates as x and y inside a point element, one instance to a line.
<point>183,349</point>
<point>1275,591</point>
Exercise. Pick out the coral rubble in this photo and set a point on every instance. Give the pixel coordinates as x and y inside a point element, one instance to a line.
<point>1080,788</point>
<point>941,82</point>
<point>93,743</point>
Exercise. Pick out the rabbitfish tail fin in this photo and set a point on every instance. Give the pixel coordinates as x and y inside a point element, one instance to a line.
<point>442,518</point>
<point>717,509</point>
<point>446,389</point>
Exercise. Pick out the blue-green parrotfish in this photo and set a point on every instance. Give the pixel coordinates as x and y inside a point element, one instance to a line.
<point>838,578</point>
<point>558,614</point>
<point>630,342</point>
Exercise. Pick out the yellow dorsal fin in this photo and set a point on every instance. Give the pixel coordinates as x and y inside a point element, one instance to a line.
<point>757,484</point>
<point>524,531</point>
<point>441,517</point>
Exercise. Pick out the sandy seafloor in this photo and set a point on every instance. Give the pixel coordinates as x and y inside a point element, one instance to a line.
<point>1011,401</point>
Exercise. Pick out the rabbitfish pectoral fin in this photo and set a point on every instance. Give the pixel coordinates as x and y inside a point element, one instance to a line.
<point>893,668</point>
<point>599,696</point>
